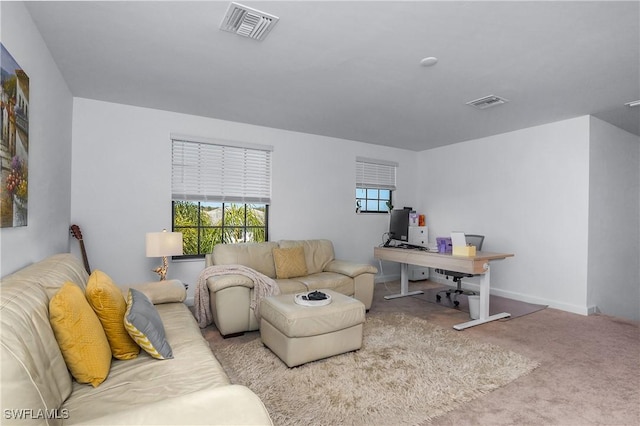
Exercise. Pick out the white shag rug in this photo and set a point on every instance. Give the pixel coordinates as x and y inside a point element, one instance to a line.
<point>408,371</point>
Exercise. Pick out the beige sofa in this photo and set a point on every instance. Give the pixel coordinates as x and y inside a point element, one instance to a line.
<point>37,388</point>
<point>230,295</point>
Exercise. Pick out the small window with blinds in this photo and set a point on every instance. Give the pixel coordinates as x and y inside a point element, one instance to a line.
<point>220,192</point>
<point>375,183</point>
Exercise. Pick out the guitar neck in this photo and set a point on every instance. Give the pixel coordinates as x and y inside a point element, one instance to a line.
<point>85,260</point>
<point>77,234</point>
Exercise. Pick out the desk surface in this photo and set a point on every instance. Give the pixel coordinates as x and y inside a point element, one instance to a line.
<point>470,264</point>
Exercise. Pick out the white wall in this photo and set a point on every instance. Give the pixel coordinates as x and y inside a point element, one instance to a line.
<point>614,221</point>
<point>121,186</point>
<point>50,104</point>
<point>528,192</point>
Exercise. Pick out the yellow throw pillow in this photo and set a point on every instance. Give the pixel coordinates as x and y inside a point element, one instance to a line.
<point>108,303</point>
<point>79,334</point>
<point>290,262</point>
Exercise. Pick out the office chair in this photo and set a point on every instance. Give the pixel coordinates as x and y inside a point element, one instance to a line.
<point>474,240</point>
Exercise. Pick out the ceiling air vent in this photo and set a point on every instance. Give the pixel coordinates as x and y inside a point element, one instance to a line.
<point>487,102</point>
<point>248,22</point>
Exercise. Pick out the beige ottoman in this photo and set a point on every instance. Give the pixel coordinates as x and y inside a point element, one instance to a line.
<point>300,334</point>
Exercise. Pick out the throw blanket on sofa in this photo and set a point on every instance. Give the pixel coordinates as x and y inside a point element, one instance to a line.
<point>263,286</point>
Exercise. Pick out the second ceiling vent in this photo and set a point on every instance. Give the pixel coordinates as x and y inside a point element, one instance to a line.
<point>487,102</point>
<point>248,22</point>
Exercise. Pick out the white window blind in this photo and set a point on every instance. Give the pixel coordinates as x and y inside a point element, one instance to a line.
<point>380,174</point>
<point>206,170</point>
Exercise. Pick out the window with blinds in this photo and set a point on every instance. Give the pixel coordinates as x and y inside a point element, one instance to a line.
<point>375,183</point>
<point>209,171</point>
<point>220,192</point>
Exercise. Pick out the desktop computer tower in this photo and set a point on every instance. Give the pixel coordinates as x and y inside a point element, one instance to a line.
<point>418,236</point>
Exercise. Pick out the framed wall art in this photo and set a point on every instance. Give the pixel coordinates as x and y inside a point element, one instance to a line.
<point>14,141</point>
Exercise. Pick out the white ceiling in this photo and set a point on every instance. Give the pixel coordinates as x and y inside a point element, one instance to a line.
<point>351,69</point>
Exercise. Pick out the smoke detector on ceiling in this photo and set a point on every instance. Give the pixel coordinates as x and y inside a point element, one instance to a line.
<point>248,22</point>
<point>487,102</point>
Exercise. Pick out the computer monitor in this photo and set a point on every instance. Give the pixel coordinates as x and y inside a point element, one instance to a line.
<point>399,225</point>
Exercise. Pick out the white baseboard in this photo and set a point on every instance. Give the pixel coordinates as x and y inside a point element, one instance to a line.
<point>468,284</point>
<point>567,307</point>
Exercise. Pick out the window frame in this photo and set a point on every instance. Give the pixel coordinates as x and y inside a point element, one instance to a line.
<point>223,172</point>
<point>378,175</point>
<point>200,227</point>
<point>364,209</point>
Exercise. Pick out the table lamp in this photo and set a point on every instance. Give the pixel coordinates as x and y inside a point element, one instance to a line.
<point>163,244</point>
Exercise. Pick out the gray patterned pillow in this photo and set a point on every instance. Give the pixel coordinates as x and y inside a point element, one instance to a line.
<point>144,325</point>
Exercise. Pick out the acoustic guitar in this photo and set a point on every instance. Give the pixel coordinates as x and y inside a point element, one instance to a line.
<point>75,232</point>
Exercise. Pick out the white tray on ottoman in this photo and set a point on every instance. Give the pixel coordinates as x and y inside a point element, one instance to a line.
<point>298,334</point>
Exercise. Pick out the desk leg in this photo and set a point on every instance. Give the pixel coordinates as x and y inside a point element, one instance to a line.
<point>485,280</point>
<point>404,284</point>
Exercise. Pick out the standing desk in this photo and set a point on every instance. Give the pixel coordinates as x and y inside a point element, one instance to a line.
<point>477,265</point>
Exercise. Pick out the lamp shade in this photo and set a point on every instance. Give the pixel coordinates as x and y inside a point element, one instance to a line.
<point>159,244</point>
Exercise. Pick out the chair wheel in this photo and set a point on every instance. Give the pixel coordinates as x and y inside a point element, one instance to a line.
<point>438,297</point>
<point>456,303</point>
<point>448,295</point>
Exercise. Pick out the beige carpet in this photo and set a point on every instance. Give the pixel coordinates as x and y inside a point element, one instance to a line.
<point>408,370</point>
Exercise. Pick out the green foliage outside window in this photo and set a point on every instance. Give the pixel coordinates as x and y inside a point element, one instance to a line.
<point>204,224</point>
